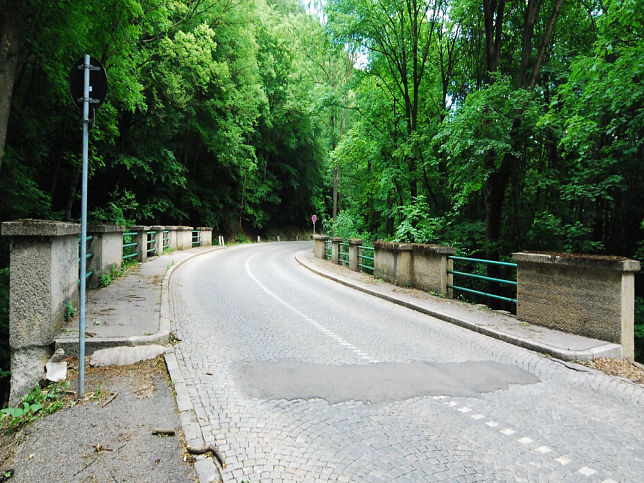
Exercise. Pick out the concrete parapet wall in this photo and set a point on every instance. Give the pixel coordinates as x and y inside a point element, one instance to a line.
<point>586,295</point>
<point>43,279</point>
<point>184,237</point>
<point>172,236</point>
<point>318,245</point>
<point>205,234</point>
<point>393,262</point>
<point>430,267</point>
<point>158,239</point>
<point>107,247</point>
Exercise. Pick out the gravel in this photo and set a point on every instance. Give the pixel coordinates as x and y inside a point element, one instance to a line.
<point>625,369</point>
<point>108,435</point>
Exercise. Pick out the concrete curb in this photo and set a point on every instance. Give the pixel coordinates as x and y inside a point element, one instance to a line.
<point>161,337</point>
<point>204,466</point>
<point>606,350</point>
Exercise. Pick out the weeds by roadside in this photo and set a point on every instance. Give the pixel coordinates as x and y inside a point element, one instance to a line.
<point>39,402</point>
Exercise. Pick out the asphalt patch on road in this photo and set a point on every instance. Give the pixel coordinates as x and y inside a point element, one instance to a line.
<point>380,382</point>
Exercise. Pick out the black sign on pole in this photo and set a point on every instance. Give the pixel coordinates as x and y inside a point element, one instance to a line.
<point>97,82</point>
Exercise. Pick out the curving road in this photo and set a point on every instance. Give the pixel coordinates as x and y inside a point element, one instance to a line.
<point>295,377</point>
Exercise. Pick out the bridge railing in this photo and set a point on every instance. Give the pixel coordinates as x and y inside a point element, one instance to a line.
<point>592,296</point>
<point>44,278</point>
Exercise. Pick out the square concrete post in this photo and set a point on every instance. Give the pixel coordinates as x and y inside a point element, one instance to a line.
<point>141,238</point>
<point>107,249</point>
<point>184,237</point>
<point>335,249</point>
<point>172,236</point>
<point>43,279</point>
<point>319,245</point>
<point>158,239</point>
<point>206,235</point>
<point>354,243</point>
<point>593,296</point>
<point>430,267</point>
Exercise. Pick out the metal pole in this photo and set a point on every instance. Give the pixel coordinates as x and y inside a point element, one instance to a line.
<point>83,259</point>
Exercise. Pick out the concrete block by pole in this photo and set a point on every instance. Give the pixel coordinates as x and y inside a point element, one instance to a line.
<point>43,280</point>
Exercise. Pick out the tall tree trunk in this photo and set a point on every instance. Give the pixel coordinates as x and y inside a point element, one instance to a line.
<point>12,21</point>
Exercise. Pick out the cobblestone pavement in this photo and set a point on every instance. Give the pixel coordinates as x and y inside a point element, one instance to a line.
<point>254,303</point>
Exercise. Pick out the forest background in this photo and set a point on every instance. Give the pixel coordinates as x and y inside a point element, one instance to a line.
<point>487,125</point>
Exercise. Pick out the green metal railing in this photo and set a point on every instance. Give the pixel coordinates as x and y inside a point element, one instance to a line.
<point>365,262</point>
<point>483,277</point>
<point>166,242</point>
<point>88,255</point>
<point>151,242</point>
<point>343,253</point>
<point>328,249</point>
<point>129,247</point>
<point>196,238</point>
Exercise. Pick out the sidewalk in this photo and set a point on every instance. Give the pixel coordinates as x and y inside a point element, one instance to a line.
<point>499,325</point>
<point>131,310</point>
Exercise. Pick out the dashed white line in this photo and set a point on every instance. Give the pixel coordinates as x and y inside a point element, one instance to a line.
<point>307,318</point>
<point>586,471</point>
<point>524,440</point>
<point>563,460</point>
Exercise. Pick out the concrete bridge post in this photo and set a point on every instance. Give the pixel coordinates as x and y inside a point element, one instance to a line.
<point>354,243</point>
<point>107,247</point>
<point>318,245</point>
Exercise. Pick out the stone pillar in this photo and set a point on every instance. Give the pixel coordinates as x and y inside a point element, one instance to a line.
<point>107,247</point>
<point>586,295</point>
<point>172,236</point>
<point>335,249</point>
<point>141,238</point>
<point>158,239</point>
<point>430,267</point>
<point>206,235</point>
<point>184,237</point>
<point>354,243</point>
<point>393,262</point>
<point>319,245</point>
<point>43,279</point>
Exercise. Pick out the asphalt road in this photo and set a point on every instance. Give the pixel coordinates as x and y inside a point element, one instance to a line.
<point>295,377</point>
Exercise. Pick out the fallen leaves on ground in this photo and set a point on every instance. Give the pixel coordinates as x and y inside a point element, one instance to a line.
<point>624,369</point>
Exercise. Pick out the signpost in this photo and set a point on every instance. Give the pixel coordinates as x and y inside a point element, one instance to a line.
<point>314,219</point>
<point>86,77</point>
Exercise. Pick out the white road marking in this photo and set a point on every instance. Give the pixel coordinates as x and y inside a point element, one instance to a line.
<point>586,471</point>
<point>307,318</point>
<point>543,449</point>
<point>508,431</point>
<point>524,440</point>
<point>563,460</point>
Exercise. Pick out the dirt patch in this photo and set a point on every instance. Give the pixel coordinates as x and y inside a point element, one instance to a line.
<point>624,369</point>
<point>107,435</point>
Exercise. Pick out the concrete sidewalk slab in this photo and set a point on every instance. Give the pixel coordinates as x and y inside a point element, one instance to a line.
<point>131,310</point>
<point>496,324</point>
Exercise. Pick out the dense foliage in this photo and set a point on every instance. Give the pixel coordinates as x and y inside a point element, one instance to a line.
<point>489,125</point>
